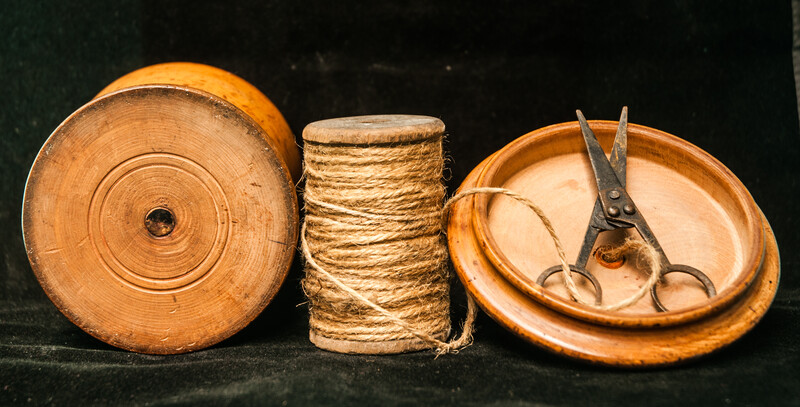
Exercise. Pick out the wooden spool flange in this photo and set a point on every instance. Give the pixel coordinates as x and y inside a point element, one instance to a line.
<point>700,212</point>
<point>364,131</point>
<point>161,216</point>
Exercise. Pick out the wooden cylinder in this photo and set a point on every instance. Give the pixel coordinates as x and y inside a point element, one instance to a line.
<point>161,217</point>
<point>699,211</point>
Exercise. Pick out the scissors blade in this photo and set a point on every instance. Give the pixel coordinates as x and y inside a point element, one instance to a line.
<point>619,154</point>
<point>603,172</point>
<point>589,239</point>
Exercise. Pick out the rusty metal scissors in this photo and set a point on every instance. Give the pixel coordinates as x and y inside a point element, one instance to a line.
<point>614,209</point>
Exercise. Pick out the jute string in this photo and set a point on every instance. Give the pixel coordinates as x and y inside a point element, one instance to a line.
<point>376,259</point>
<point>372,238</point>
<point>647,254</point>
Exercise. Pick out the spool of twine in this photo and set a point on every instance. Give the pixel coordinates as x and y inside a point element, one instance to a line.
<point>376,260</point>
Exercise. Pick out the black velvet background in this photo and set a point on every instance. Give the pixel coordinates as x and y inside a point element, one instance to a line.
<point>716,73</point>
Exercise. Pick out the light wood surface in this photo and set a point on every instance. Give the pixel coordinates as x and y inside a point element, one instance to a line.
<point>229,87</point>
<point>160,219</point>
<point>375,129</point>
<point>371,348</point>
<point>698,210</point>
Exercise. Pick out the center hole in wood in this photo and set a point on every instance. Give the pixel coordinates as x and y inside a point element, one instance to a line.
<point>605,259</point>
<point>159,222</point>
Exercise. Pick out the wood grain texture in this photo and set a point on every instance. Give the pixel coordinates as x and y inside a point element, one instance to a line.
<point>694,206</point>
<point>170,283</point>
<point>375,129</point>
<point>229,87</point>
<point>372,348</point>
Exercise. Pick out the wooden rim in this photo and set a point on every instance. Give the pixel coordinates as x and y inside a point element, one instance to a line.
<point>372,348</point>
<point>629,346</point>
<point>88,207</point>
<point>637,135</point>
<point>373,129</point>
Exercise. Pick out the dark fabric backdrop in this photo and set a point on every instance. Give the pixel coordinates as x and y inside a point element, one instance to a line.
<point>716,73</point>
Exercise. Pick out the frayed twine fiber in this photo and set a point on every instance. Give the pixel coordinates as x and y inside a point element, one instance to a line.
<point>376,258</point>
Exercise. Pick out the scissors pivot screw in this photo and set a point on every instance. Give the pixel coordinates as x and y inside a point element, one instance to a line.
<point>613,211</point>
<point>629,209</point>
<point>614,194</point>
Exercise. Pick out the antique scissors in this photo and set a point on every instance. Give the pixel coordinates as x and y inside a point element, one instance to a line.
<point>614,209</point>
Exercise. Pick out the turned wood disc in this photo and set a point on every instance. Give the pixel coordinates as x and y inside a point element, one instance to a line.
<point>160,219</point>
<point>372,348</point>
<point>375,129</point>
<point>698,210</point>
<point>365,130</point>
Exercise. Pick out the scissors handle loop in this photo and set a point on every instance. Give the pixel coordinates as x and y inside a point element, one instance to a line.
<point>598,292</point>
<point>708,285</point>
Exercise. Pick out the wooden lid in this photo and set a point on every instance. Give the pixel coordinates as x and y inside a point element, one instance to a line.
<point>699,211</point>
<point>377,129</point>
<point>159,219</point>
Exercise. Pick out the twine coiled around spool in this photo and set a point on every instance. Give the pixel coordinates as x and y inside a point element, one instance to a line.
<point>376,260</point>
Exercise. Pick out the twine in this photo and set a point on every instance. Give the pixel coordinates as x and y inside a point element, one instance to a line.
<point>647,253</point>
<point>376,259</point>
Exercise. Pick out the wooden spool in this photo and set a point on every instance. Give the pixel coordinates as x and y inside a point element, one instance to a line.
<point>161,216</point>
<point>363,131</point>
<point>700,212</point>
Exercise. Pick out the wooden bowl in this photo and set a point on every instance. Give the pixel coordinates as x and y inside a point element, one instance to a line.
<point>161,216</point>
<point>700,212</point>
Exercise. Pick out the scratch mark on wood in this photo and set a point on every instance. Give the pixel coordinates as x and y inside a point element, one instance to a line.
<point>278,242</point>
<point>83,241</point>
